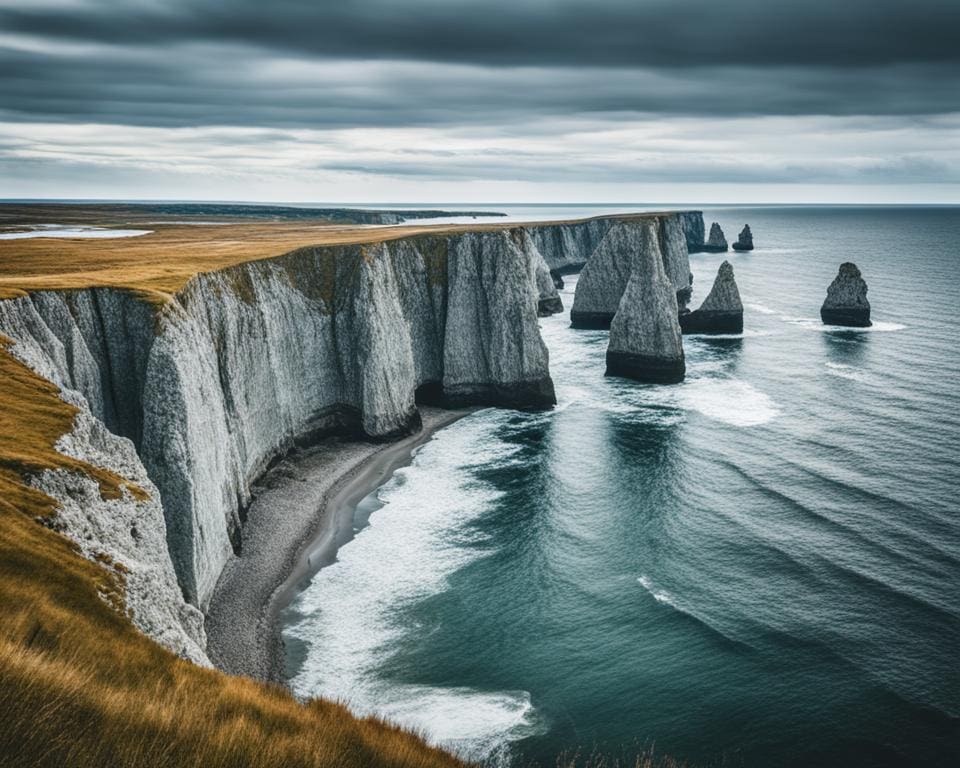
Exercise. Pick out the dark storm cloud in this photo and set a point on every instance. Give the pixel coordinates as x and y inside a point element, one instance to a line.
<point>632,33</point>
<point>517,73</point>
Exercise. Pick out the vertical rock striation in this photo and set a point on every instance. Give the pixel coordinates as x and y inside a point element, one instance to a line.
<point>846,302</point>
<point>247,361</point>
<point>693,229</point>
<point>645,342</point>
<point>605,276</point>
<point>721,311</point>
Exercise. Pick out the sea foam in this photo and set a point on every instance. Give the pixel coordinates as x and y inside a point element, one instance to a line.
<point>353,610</point>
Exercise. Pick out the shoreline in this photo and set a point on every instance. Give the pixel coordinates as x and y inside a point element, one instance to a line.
<point>301,514</point>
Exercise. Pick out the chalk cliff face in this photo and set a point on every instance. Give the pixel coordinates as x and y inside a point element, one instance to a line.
<point>196,399</point>
<point>605,276</point>
<point>645,341</point>
<point>846,302</point>
<point>192,400</point>
<point>721,311</point>
<point>693,229</point>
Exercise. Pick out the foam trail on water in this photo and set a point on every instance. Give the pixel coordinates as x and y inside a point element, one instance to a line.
<point>728,400</point>
<point>354,611</point>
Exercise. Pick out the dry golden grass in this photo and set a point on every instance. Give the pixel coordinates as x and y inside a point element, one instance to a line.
<point>80,686</point>
<point>159,264</point>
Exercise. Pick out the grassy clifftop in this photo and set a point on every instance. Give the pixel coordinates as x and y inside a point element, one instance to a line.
<point>80,686</point>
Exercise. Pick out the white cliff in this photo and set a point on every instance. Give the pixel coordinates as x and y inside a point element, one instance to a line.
<point>645,342</point>
<point>605,275</point>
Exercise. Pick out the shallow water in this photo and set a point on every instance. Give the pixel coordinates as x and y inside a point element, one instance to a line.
<point>759,566</point>
<point>81,232</point>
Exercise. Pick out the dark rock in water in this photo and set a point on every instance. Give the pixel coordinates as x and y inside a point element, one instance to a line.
<point>717,242</point>
<point>745,240</point>
<point>645,342</point>
<point>721,311</point>
<point>557,279</point>
<point>552,305</point>
<point>846,302</point>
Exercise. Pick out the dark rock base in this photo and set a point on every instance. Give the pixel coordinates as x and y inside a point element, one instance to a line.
<point>526,394</point>
<point>557,276</point>
<point>591,320</point>
<point>711,322</point>
<point>656,370</point>
<point>551,306</point>
<point>740,247</point>
<point>852,318</point>
<point>709,249</point>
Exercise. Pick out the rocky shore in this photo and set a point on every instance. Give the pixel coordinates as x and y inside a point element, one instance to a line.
<point>301,513</point>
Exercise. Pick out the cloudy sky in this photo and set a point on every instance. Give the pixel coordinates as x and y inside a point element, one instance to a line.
<point>495,101</point>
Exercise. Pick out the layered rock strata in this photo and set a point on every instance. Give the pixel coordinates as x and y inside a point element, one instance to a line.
<point>645,342</point>
<point>721,311</point>
<point>604,277</point>
<point>744,240</point>
<point>846,302</point>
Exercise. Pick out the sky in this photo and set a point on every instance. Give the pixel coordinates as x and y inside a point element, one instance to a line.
<point>449,101</point>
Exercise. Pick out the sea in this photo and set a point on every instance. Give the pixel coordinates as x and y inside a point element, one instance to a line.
<point>758,567</point>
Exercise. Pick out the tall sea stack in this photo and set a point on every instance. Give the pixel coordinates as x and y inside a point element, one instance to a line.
<point>717,242</point>
<point>645,342</point>
<point>745,240</point>
<point>605,276</point>
<point>846,302</point>
<point>721,311</point>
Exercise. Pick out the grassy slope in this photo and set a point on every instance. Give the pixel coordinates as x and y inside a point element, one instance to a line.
<point>80,686</point>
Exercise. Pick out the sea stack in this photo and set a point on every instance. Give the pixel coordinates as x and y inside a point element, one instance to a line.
<point>721,311</point>
<point>605,276</point>
<point>846,302</point>
<point>745,240</point>
<point>717,242</point>
<point>645,342</point>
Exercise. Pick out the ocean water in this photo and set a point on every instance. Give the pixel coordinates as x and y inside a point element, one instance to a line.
<point>757,567</point>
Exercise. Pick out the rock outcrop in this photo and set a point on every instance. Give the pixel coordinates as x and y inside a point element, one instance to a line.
<point>191,400</point>
<point>548,300</point>
<point>645,342</point>
<point>721,311</point>
<point>745,240</point>
<point>247,361</point>
<point>717,242</point>
<point>604,277</point>
<point>693,229</point>
<point>846,302</point>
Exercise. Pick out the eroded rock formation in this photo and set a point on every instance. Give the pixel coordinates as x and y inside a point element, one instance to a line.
<point>645,342</point>
<point>247,361</point>
<point>717,242</point>
<point>745,239</point>
<point>721,311</point>
<point>846,302</point>
<point>605,275</point>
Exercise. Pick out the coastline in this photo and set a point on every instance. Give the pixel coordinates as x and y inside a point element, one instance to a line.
<point>301,514</point>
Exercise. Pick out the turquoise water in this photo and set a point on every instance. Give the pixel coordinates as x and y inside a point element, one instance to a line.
<point>757,567</point>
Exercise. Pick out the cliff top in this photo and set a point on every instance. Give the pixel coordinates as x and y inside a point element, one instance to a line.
<point>160,263</point>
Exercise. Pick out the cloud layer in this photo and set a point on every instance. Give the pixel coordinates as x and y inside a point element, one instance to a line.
<point>682,91</point>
